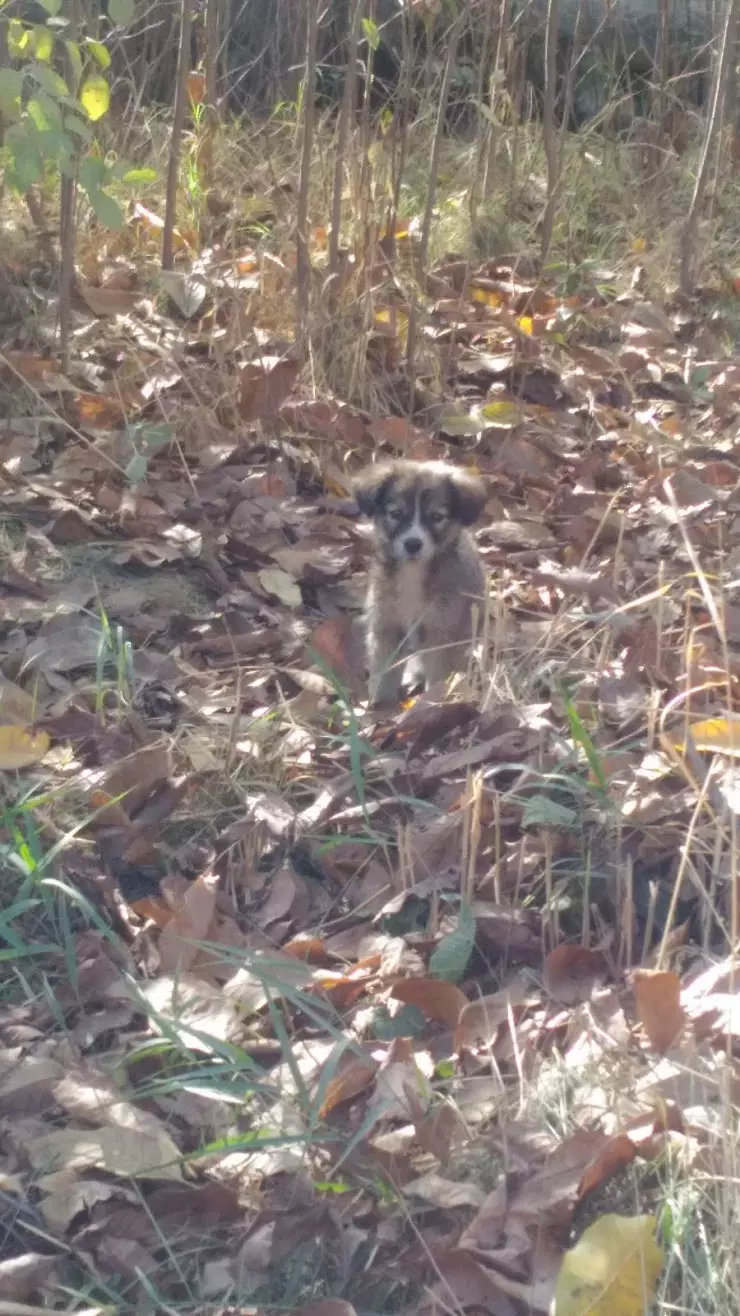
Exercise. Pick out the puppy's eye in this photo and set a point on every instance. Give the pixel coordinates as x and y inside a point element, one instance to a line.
<point>437,518</point>
<point>394,513</point>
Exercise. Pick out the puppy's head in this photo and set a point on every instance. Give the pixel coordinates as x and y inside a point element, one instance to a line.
<point>418,508</point>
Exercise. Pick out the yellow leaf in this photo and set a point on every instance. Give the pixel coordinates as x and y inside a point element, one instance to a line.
<point>19,747</point>
<point>502,413</point>
<point>487,296</point>
<point>612,1270</point>
<point>526,324</point>
<point>715,735</point>
<point>639,244</point>
<point>95,96</point>
<point>43,41</point>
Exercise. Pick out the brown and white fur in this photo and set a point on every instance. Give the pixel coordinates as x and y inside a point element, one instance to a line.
<point>426,576</point>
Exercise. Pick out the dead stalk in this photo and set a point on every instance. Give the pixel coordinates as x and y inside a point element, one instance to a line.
<point>426,225</point>
<point>711,136</point>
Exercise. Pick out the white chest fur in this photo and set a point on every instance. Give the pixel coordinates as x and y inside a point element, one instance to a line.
<point>411,591</point>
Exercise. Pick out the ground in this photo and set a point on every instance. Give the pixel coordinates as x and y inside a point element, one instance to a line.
<point>307,1006</point>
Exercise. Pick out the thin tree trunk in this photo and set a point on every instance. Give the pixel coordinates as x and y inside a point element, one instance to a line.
<point>549,128</point>
<point>346,120</point>
<point>303,263</point>
<point>426,224</point>
<point>178,123</point>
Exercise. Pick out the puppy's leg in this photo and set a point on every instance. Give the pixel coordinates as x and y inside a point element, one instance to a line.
<point>441,659</point>
<point>385,660</point>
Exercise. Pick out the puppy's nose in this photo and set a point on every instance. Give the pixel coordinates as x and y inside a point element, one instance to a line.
<point>413,545</point>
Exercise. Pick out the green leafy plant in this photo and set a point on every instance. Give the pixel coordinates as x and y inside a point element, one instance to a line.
<point>51,113</point>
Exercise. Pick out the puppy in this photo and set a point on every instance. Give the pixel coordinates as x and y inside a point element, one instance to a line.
<point>426,575</point>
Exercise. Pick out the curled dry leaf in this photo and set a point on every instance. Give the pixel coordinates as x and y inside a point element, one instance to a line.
<point>353,1077</point>
<point>436,999</point>
<point>441,1131</point>
<point>570,973</point>
<point>480,1020</point>
<point>659,1009</point>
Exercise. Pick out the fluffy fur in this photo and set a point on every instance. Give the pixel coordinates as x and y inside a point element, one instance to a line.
<point>426,575</point>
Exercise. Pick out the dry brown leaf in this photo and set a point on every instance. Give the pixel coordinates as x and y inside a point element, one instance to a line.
<point>396,431</point>
<point>109,301</point>
<point>441,1131</point>
<point>265,385</point>
<point>67,1196</point>
<point>352,1078</point>
<point>178,946</point>
<point>338,643</point>
<point>571,973</point>
<point>120,1151</point>
<point>618,1152</point>
<point>26,1083</point>
<point>659,1009</point>
<point>436,999</point>
<point>198,1011</point>
<point>480,1020</point>
<point>17,707</point>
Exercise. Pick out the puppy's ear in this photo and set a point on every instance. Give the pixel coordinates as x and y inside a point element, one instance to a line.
<point>467,497</point>
<point>371,486</point>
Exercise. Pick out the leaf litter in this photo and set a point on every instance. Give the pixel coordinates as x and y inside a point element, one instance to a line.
<point>328,963</point>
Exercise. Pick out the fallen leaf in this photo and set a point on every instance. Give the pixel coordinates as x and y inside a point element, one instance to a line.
<point>450,958</point>
<point>177,944</point>
<point>109,301</point>
<point>436,999</point>
<point>480,1020</point>
<point>128,1153</point>
<point>20,747</point>
<point>16,705</point>
<point>351,1079</point>
<point>446,1193</point>
<point>337,641</point>
<point>612,1270</point>
<point>571,973</point>
<point>265,385</point>
<point>396,431</point>
<point>188,290</point>
<point>659,1009</point>
<point>277,582</point>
